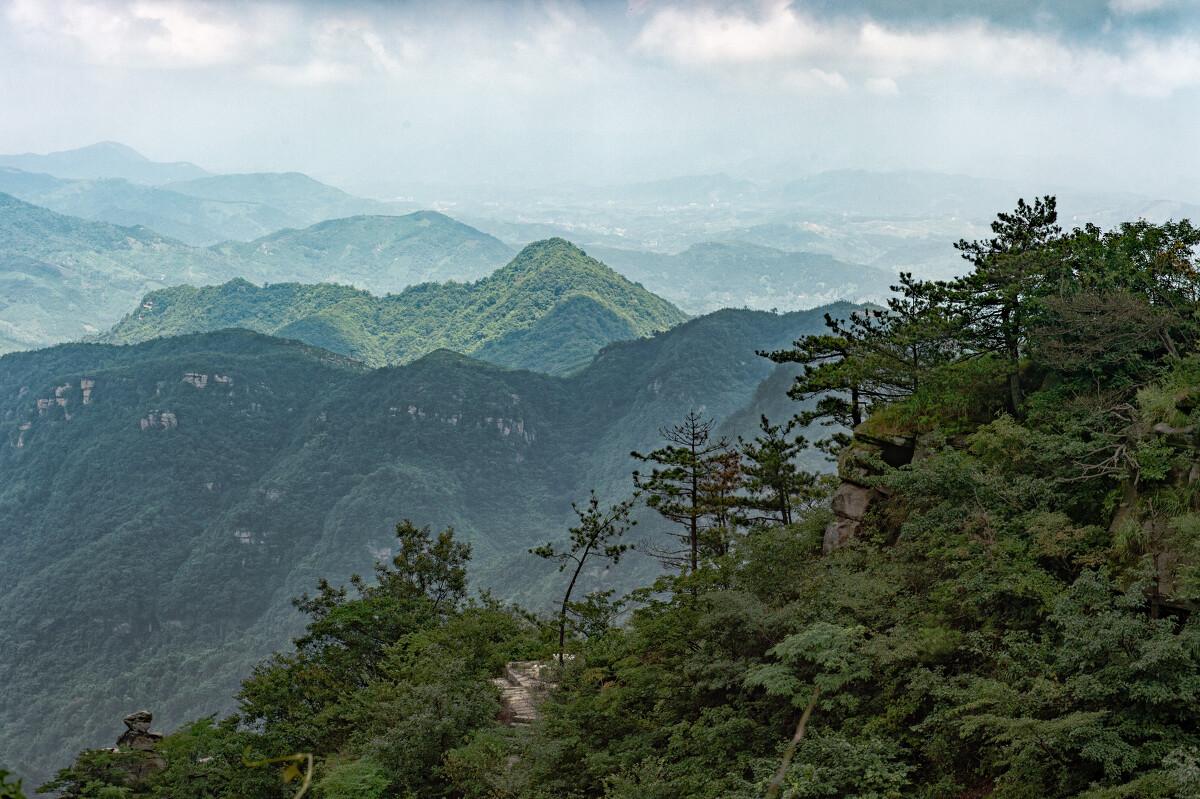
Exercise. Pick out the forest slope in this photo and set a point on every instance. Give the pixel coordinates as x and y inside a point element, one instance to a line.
<point>551,309</point>
<point>242,455</point>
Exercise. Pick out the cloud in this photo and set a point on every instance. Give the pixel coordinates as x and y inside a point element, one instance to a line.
<point>144,33</point>
<point>706,36</point>
<point>1136,6</point>
<point>779,37</point>
<point>536,48</point>
<point>882,86</point>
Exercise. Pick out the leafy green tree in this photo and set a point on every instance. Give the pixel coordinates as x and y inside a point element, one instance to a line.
<point>721,493</point>
<point>355,779</point>
<point>345,644</point>
<point>822,659</point>
<point>828,376</point>
<point>435,568</point>
<point>597,534</point>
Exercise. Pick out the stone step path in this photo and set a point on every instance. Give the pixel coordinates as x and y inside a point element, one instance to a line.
<point>522,689</point>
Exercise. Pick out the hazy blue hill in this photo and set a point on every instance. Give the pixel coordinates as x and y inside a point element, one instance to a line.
<point>377,253</point>
<point>551,309</point>
<point>302,198</point>
<point>713,275</point>
<point>104,160</point>
<point>193,220</point>
<point>201,212</point>
<point>63,277</point>
<point>160,582</point>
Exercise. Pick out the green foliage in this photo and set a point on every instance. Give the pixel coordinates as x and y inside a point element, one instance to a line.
<point>382,684</point>
<point>775,487</point>
<point>9,790</point>
<point>1012,617</point>
<point>685,487</point>
<point>597,535</point>
<point>835,766</point>
<point>551,309</point>
<point>194,537</point>
<point>356,779</point>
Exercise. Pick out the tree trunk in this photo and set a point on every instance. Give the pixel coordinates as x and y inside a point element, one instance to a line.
<point>562,614</point>
<point>776,783</point>
<point>1009,322</point>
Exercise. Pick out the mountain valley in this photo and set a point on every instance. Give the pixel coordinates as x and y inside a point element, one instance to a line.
<point>180,463</point>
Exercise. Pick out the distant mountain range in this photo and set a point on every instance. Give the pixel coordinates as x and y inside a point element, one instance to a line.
<point>376,253</point>
<point>298,196</point>
<point>63,278</point>
<point>551,309</point>
<point>890,220</point>
<point>713,275</point>
<point>160,503</point>
<point>199,212</point>
<point>104,160</point>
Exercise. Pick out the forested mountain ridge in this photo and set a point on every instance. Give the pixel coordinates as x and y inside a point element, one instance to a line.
<point>255,456</point>
<point>65,278</point>
<point>998,602</point>
<point>68,278</point>
<point>550,309</point>
<point>378,253</point>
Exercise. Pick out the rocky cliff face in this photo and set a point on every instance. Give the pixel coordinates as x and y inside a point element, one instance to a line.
<point>859,466</point>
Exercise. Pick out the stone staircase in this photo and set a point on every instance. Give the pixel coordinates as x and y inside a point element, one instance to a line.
<point>522,689</point>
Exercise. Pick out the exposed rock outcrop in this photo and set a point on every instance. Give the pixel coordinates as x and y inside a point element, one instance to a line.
<point>137,747</point>
<point>165,420</point>
<point>850,505</point>
<point>137,733</point>
<point>865,458</point>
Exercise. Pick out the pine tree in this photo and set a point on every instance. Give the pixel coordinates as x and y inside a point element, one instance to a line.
<point>775,486</point>
<point>994,301</point>
<point>598,534</point>
<point>676,485</point>
<point>874,355</point>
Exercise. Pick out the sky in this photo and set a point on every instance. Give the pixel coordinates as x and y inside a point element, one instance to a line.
<point>1094,93</point>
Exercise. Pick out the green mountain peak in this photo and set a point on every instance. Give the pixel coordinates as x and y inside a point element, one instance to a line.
<point>551,309</point>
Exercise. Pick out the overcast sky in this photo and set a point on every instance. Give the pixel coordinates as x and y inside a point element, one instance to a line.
<point>1091,92</point>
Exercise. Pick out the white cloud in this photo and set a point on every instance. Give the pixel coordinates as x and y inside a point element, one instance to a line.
<point>1129,7</point>
<point>705,36</point>
<point>882,86</point>
<point>144,33</point>
<point>779,38</point>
